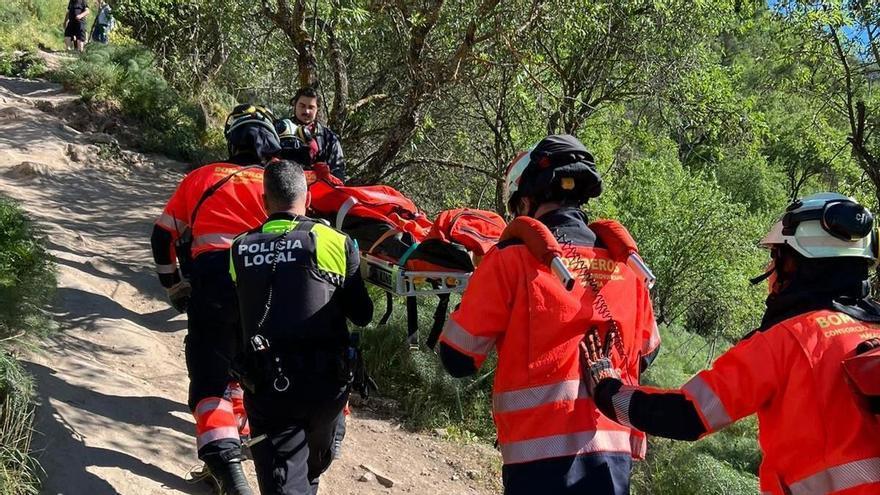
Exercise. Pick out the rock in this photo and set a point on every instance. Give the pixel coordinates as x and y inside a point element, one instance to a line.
<point>367,477</point>
<point>441,432</point>
<point>380,477</point>
<point>10,113</point>
<point>45,106</point>
<point>99,138</point>
<point>70,130</point>
<point>454,477</point>
<point>474,475</point>
<point>26,170</point>
<point>74,153</point>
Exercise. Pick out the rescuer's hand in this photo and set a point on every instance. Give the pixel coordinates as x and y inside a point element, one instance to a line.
<point>596,359</point>
<point>178,294</point>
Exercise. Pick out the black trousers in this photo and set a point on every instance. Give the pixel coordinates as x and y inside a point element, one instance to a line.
<point>300,439</point>
<point>595,474</point>
<point>213,330</point>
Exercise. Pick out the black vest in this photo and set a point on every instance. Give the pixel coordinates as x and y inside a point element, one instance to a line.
<point>305,315</point>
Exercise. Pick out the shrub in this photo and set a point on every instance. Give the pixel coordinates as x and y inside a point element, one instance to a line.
<point>725,462</point>
<point>27,277</point>
<point>27,24</point>
<point>700,243</point>
<point>127,76</point>
<point>21,64</point>
<point>428,396</point>
<point>26,282</point>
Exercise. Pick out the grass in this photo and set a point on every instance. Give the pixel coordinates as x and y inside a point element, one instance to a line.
<point>27,281</point>
<point>19,472</point>
<point>723,463</point>
<point>29,24</point>
<point>127,78</point>
<point>21,64</point>
<point>123,75</point>
<point>427,395</point>
<point>27,276</point>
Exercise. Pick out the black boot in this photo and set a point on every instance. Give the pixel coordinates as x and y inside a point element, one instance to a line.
<point>226,468</point>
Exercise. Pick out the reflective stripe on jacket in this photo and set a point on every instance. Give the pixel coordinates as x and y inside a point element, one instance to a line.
<point>514,304</point>
<point>234,208</point>
<point>815,436</point>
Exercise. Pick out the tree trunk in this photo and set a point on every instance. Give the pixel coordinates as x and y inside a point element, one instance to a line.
<point>397,137</point>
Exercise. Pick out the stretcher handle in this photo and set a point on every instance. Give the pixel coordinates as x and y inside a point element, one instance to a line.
<point>542,244</point>
<point>621,246</point>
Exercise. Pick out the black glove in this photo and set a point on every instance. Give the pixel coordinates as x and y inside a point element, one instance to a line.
<point>596,359</point>
<point>178,295</point>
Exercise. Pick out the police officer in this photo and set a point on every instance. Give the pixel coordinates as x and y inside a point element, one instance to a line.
<point>817,435</point>
<point>298,281</point>
<point>211,206</point>
<point>552,439</point>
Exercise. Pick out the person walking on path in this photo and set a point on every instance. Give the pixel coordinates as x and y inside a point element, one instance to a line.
<point>553,441</point>
<point>298,281</point>
<point>75,25</point>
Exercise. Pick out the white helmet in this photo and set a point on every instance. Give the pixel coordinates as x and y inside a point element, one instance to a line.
<point>514,173</point>
<point>826,225</point>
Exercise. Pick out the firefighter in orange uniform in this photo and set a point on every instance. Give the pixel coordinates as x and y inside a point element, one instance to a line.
<point>552,438</point>
<point>211,206</point>
<point>818,435</point>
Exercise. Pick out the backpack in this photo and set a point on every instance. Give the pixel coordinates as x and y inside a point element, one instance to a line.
<point>458,239</point>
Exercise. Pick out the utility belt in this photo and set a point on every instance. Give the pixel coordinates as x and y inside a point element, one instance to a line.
<point>262,368</point>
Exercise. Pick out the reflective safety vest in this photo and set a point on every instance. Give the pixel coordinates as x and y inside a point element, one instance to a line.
<point>516,305</point>
<point>234,208</point>
<point>305,262</point>
<point>815,436</point>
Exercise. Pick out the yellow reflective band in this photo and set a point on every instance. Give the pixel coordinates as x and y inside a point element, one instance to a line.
<point>330,249</point>
<point>279,226</point>
<point>232,262</point>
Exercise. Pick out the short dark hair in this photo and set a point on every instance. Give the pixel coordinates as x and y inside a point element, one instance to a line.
<point>284,182</point>
<point>307,91</point>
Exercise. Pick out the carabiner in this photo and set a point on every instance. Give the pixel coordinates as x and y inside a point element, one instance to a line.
<point>285,383</point>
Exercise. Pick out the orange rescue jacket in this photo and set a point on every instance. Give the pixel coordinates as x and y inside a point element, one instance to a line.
<point>234,208</point>
<point>815,436</point>
<point>516,305</point>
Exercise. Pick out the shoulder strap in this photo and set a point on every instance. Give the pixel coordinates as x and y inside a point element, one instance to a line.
<point>214,188</point>
<point>304,226</point>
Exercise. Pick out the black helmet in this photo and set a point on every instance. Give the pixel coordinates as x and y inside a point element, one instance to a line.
<point>250,130</point>
<point>559,168</point>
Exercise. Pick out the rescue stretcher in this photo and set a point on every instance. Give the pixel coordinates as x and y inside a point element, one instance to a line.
<point>396,280</point>
<point>407,255</point>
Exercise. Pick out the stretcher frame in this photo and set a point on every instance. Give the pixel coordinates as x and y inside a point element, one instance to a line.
<point>396,280</point>
<point>399,281</point>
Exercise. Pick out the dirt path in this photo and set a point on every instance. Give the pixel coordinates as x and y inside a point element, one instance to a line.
<point>112,382</point>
